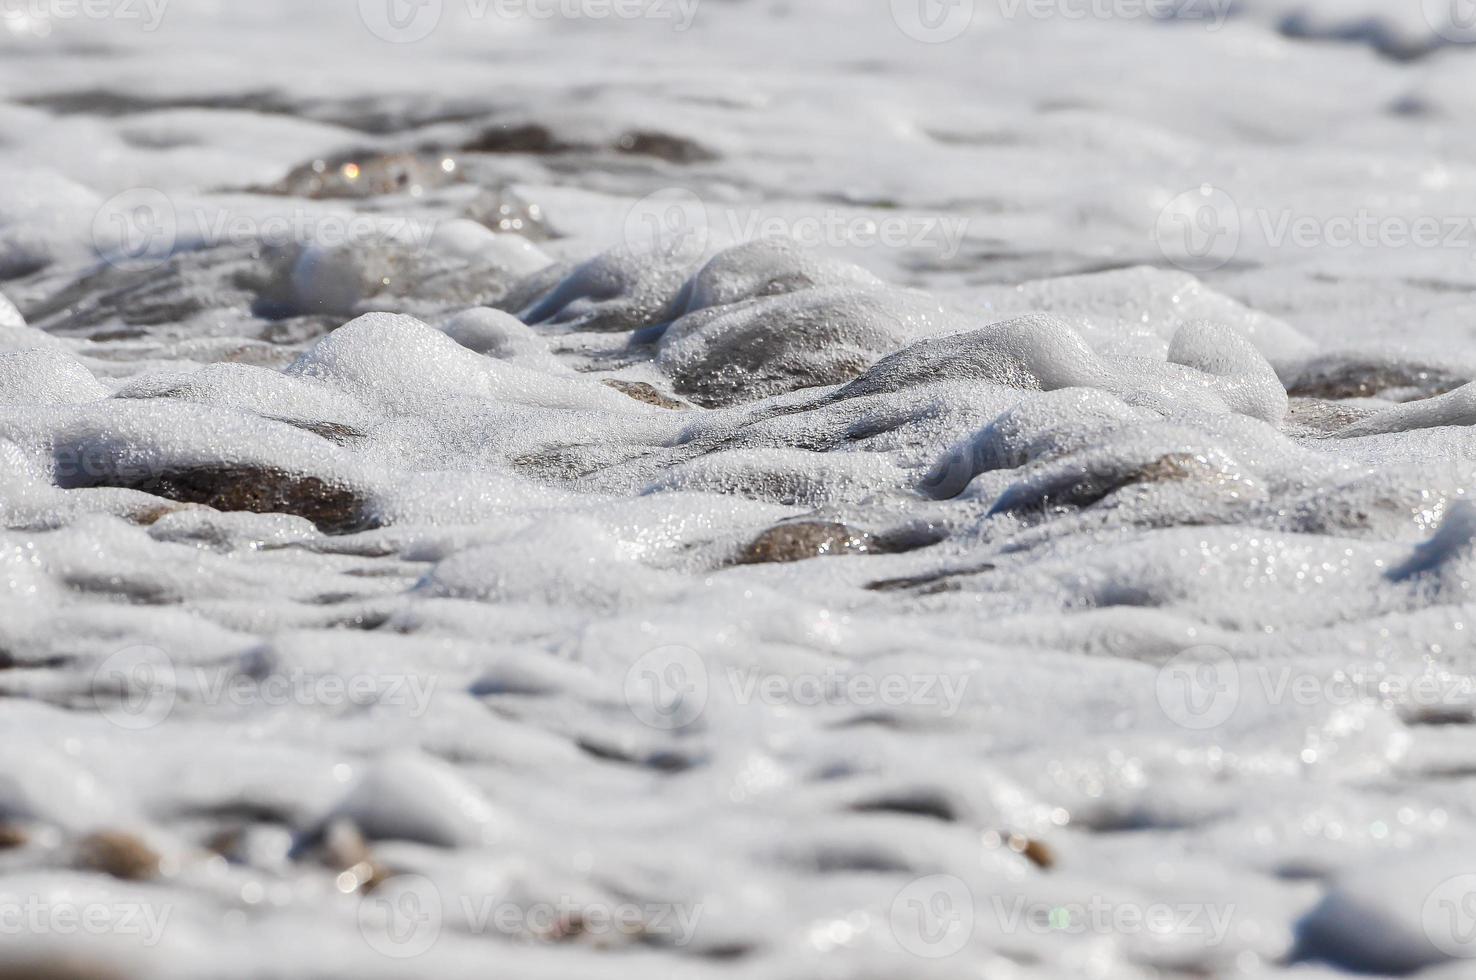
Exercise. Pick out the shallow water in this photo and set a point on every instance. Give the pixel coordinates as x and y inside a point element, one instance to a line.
<point>743,490</point>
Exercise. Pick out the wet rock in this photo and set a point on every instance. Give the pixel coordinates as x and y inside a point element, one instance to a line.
<point>538,140</point>
<point>517,138</point>
<point>930,583</point>
<point>57,968</point>
<point>419,269</point>
<point>1039,428</point>
<point>1159,456</point>
<point>186,285</point>
<point>341,847</point>
<point>1036,852</point>
<point>1320,417</point>
<point>120,854</point>
<point>1339,376</point>
<point>12,836</point>
<point>507,212</point>
<point>762,347</point>
<point>803,540</point>
<point>334,508</point>
<point>362,174</point>
<point>932,803</point>
<point>663,760</point>
<point>663,146</point>
<point>643,392</point>
<point>23,252</point>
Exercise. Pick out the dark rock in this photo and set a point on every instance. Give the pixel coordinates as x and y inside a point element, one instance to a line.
<point>506,212</point>
<point>119,854</point>
<point>334,508</point>
<point>1354,376</point>
<point>663,146</point>
<point>538,140</point>
<point>643,392</point>
<point>803,540</point>
<point>367,174</point>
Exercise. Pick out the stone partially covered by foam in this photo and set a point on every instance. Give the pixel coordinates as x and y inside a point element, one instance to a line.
<point>1036,351</point>
<point>813,337</point>
<point>622,289</point>
<point>1041,426</point>
<point>403,266</point>
<point>767,267</point>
